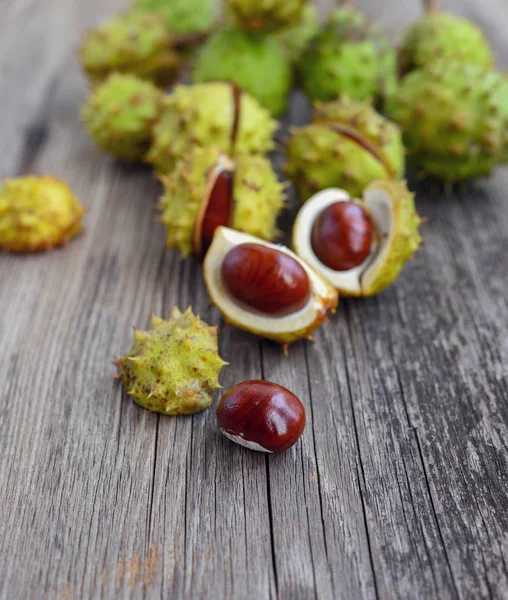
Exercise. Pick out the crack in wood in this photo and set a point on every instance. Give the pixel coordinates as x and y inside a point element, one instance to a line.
<point>268,491</point>
<point>311,404</point>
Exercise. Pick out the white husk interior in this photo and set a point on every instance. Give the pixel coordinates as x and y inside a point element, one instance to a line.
<point>224,240</point>
<point>238,439</point>
<point>377,203</point>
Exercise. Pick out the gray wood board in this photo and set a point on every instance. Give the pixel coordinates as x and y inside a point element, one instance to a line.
<point>399,487</point>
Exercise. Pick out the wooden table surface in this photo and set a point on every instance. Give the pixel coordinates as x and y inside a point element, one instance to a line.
<point>399,487</point>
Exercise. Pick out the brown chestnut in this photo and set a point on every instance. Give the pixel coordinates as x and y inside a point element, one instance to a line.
<point>265,279</point>
<point>261,416</point>
<point>342,236</point>
<point>216,209</point>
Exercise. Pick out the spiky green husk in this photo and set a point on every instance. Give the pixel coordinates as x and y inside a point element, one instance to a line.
<point>349,145</point>
<point>319,158</point>
<point>454,118</point>
<point>296,39</point>
<point>368,127</point>
<point>133,42</point>
<point>173,368</point>
<point>348,56</point>
<point>203,114</point>
<point>442,36</point>
<point>246,59</point>
<point>182,16</point>
<point>404,240</point>
<point>120,114</point>
<point>265,15</point>
<point>258,196</point>
<point>37,213</point>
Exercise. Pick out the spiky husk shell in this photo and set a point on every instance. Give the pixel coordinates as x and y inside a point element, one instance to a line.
<point>348,146</point>
<point>182,16</point>
<point>245,59</point>
<point>348,56</point>
<point>204,114</point>
<point>319,157</point>
<point>257,193</point>
<point>368,127</point>
<point>37,213</point>
<point>296,39</point>
<point>454,118</point>
<point>442,36</point>
<point>173,368</point>
<point>120,114</point>
<point>133,42</point>
<point>404,240</point>
<point>265,15</point>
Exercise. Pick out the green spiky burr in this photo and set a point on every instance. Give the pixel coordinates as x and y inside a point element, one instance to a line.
<point>120,114</point>
<point>173,368</point>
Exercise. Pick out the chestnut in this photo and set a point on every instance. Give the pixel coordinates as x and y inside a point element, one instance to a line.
<point>265,279</point>
<point>342,236</point>
<point>261,416</point>
<point>216,209</point>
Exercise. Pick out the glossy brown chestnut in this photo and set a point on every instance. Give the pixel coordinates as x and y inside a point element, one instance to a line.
<point>261,416</point>
<point>217,206</point>
<point>266,280</point>
<point>342,236</point>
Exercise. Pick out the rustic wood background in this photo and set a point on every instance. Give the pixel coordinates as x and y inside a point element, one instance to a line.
<point>399,487</point>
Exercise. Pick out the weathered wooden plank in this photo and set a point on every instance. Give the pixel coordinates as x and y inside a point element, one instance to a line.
<point>463,411</point>
<point>38,40</point>
<point>222,527</point>
<point>398,489</point>
<point>314,556</point>
<point>74,515</point>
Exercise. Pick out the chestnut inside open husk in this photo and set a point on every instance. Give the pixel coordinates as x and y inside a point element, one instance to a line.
<point>217,206</point>
<point>342,236</point>
<point>265,288</point>
<point>359,245</point>
<point>262,416</point>
<point>265,280</point>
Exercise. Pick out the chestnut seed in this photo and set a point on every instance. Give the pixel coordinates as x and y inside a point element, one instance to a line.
<point>342,236</point>
<point>261,416</point>
<point>265,279</point>
<point>217,206</point>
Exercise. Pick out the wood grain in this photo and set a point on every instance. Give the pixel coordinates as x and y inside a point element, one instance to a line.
<point>399,487</point>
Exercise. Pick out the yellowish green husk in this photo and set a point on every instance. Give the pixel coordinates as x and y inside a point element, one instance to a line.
<point>441,36</point>
<point>37,214</point>
<point>258,196</point>
<point>265,15</point>
<point>120,114</point>
<point>135,43</point>
<point>349,56</point>
<point>204,114</point>
<point>183,17</point>
<point>454,119</point>
<point>173,368</point>
<point>348,145</point>
<point>246,59</point>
